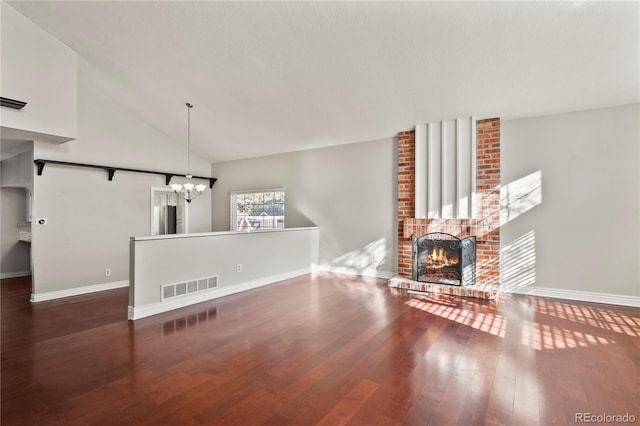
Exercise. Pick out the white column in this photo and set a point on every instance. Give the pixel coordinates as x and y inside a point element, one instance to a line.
<point>445,174</point>
<point>463,167</point>
<point>448,169</point>
<point>434,167</point>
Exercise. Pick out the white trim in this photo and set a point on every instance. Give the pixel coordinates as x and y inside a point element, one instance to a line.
<point>213,234</point>
<point>421,171</point>
<point>250,191</point>
<point>582,296</point>
<point>16,274</point>
<point>41,297</point>
<point>353,271</point>
<point>143,311</point>
<point>458,170</point>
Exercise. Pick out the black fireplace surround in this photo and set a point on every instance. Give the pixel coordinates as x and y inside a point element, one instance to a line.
<point>443,258</point>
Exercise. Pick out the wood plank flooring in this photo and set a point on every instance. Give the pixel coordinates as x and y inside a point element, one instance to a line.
<point>324,349</point>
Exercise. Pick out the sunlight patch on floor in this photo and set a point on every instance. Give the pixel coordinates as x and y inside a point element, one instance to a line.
<point>488,323</point>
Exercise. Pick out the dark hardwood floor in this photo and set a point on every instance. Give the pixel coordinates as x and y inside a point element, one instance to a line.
<point>323,349</point>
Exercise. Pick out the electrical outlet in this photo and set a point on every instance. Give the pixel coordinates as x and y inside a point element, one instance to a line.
<point>239,267</point>
<point>375,257</point>
<point>107,272</point>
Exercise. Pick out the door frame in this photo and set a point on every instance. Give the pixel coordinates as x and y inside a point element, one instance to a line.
<point>185,207</point>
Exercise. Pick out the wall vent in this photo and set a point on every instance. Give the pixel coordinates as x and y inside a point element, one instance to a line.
<point>169,291</point>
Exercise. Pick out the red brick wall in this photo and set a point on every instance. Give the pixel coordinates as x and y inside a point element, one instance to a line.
<point>486,225</point>
<point>406,196</point>
<point>488,190</point>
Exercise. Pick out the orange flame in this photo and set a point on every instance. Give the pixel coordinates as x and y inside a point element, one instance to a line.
<point>438,259</point>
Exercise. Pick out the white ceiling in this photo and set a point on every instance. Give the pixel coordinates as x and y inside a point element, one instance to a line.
<point>269,77</point>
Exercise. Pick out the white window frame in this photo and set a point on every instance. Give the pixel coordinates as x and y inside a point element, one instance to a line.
<point>233,220</point>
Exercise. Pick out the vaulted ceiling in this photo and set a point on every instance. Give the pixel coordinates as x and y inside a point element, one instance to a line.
<point>269,77</point>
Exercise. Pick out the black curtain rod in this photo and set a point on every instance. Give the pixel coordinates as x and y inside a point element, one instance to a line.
<point>111,170</point>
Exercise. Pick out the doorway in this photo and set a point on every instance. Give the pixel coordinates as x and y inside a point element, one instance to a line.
<point>168,212</point>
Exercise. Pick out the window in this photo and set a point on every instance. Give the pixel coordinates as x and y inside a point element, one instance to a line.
<point>254,210</point>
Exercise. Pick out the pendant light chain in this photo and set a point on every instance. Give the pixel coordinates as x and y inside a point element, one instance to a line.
<point>188,190</point>
<point>189,106</point>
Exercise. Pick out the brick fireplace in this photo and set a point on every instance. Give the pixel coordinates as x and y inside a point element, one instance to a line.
<point>485,226</point>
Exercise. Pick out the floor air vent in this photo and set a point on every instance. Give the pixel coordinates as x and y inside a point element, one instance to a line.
<point>169,291</point>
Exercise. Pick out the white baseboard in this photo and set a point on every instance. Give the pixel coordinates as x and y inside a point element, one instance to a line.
<point>353,271</point>
<point>41,297</point>
<point>583,296</point>
<point>137,312</point>
<point>16,274</point>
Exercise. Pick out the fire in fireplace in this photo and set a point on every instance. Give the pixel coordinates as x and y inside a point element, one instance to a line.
<point>444,259</point>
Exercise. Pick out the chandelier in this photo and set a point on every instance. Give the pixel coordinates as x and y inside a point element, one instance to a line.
<point>188,190</point>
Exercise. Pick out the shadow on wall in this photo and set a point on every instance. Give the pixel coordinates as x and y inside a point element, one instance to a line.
<point>519,263</point>
<point>518,258</point>
<point>520,196</point>
<point>299,210</point>
<point>371,258</point>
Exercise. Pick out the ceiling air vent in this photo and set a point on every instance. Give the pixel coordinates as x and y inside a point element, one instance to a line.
<point>12,103</point>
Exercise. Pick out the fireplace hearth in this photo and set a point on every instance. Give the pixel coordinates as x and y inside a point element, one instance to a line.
<point>442,258</point>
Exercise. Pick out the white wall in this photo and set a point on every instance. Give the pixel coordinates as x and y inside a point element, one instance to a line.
<point>17,171</point>
<point>266,257</point>
<point>42,71</point>
<point>348,191</point>
<point>91,219</point>
<point>570,196</point>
